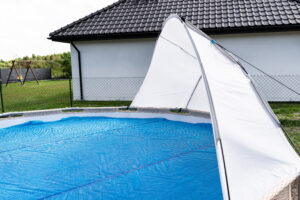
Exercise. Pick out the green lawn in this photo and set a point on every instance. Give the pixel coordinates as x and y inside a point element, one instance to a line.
<point>31,96</point>
<point>46,95</point>
<point>289,116</point>
<point>55,94</point>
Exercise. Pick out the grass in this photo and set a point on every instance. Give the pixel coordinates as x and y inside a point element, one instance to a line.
<point>289,116</point>
<point>31,96</point>
<point>46,95</point>
<point>55,94</point>
<point>100,103</point>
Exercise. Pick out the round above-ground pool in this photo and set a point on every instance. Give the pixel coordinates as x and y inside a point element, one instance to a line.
<point>108,156</point>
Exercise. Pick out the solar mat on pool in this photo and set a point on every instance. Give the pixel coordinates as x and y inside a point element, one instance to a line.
<point>108,158</point>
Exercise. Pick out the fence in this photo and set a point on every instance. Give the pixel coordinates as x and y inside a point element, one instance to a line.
<point>125,88</point>
<point>114,91</point>
<point>50,94</point>
<point>277,92</point>
<point>107,88</point>
<point>41,74</point>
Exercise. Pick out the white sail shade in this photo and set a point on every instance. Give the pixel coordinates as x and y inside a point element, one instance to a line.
<point>190,71</point>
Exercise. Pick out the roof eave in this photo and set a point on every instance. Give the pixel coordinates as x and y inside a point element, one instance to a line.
<point>115,36</point>
<point>253,29</point>
<point>153,34</point>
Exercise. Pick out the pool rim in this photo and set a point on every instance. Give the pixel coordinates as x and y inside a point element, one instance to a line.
<point>16,118</point>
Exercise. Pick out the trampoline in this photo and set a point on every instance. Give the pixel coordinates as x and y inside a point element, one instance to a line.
<point>108,156</point>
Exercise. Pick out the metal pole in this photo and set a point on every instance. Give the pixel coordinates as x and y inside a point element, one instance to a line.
<point>2,104</point>
<point>217,136</point>
<point>70,89</point>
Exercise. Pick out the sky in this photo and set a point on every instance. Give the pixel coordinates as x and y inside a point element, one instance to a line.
<point>25,25</point>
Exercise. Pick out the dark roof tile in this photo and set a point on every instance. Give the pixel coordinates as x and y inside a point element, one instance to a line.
<point>145,17</point>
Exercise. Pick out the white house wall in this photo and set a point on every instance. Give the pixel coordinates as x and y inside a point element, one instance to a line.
<point>114,70</point>
<point>111,70</point>
<point>278,54</point>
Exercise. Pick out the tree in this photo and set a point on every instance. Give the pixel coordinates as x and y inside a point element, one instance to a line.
<point>26,58</point>
<point>60,64</point>
<point>66,64</point>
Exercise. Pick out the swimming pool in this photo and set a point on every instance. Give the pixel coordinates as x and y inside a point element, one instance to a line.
<point>100,157</point>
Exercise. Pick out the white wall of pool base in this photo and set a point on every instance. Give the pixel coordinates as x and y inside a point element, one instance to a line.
<point>115,69</point>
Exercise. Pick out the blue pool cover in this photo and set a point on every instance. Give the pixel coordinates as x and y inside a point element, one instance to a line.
<point>108,158</point>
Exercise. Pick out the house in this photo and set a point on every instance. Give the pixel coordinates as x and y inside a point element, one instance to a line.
<point>112,48</point>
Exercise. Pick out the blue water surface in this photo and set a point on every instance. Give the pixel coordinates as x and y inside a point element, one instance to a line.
<point>108,158</point>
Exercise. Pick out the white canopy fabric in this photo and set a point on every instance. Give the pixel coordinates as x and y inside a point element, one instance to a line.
<point>174,73</point>
<point>190,71</point>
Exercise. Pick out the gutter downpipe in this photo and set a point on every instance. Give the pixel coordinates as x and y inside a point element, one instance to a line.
<point>79,66</point>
